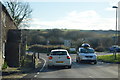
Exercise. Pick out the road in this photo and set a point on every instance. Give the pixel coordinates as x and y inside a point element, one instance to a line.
<point>78,70</point>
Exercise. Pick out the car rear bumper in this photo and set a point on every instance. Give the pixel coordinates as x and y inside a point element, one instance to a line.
<point>50,63</point>
<point>88,60</point>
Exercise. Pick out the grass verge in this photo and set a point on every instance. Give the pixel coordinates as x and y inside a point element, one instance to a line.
<point>109,58</point>
<point>18,72</point>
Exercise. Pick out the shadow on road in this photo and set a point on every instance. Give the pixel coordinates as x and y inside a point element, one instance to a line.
<point>54,68</point>
<point>75,65</point>
<point>89,65</point>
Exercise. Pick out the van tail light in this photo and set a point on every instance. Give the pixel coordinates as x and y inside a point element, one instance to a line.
<point>68,57</point>
<point>50,57</point>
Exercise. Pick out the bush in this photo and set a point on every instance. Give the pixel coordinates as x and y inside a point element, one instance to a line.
<point>28,61</point>
<point>100,49</point>
<point>72,52</point>
<point>4,66</point>
<point>45,48</point>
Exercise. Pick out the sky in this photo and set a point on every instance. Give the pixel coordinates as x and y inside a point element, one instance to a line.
<point>73,14</point>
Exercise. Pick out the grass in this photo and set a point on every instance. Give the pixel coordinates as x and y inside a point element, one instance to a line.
<point>4,66</point>
<point>12,73</point>
<point>18,72</point>
<point>109,58</point>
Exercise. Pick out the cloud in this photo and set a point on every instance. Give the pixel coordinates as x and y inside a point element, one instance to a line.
<point>113,2</point>
<point>69,0</point>
<point>109,9</point>
<point>87,20</point>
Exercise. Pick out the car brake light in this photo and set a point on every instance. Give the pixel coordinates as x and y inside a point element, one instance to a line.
<point>68,57</point>
<point>50,57</point>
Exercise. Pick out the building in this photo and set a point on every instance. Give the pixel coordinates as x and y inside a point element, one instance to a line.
<point>119,22</point>
<point>119,15</point>
<point>6,24</point>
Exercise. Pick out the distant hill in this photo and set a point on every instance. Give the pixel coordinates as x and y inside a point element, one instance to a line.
<point>96,38</point>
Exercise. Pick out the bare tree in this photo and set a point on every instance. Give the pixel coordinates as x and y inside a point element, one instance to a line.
<point>19,11</point>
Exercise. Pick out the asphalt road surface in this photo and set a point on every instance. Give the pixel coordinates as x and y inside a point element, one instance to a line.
<point>78,70</point>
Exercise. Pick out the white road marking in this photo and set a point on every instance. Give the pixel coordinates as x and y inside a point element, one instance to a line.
<point>43,64</point>
<point>35,76</point>
<point>92,77</point>
<point>38,72</point>
<point>42,67</point>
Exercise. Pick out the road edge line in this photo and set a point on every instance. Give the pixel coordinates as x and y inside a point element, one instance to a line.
<point>43,64</point>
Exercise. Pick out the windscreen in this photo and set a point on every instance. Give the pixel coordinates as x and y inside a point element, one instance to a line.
<point>87,50</point>
<point>59,53</point>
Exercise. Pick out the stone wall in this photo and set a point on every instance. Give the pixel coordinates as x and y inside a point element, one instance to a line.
<point>6,23</point>
<point>1,59</point>
<point>119,15</point>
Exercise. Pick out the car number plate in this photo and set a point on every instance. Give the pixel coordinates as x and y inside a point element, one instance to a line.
<point>59,61</point>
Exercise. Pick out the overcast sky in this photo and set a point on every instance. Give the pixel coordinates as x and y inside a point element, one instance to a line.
<point>73,14</point>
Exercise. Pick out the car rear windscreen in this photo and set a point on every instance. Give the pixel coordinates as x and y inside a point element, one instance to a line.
<point>87,50</point>
<point>59,53</point>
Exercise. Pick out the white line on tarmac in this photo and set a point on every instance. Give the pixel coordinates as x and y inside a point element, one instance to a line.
<point>42,67</point>
<point>38,72</point>
<point>35,76</point>
<point>92,77</point>
<point>43,64</point>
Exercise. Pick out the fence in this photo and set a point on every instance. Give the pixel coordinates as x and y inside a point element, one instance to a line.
<point>33,60</point>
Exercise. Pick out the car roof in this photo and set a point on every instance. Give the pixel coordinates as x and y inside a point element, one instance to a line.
<point>85,48</point>
<point>85,45</point>
<point>58,50</point>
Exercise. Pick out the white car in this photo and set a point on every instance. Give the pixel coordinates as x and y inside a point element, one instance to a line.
<point>86,55</point>
<point>59,57</point>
